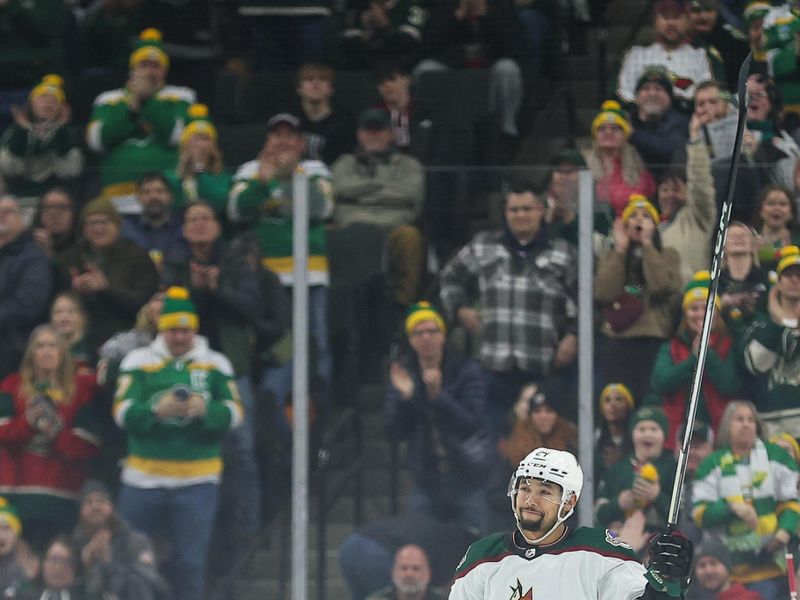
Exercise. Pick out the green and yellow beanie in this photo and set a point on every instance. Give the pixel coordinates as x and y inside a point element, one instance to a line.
<point>10,516</point>
<point>178,310</point>
<point>756,10</point>
<point>698,288</point>
<point>612,112</point>
<point>638,201</point>
<point>790,256</point>
<point>199,123</point>
<point>621,389</point>
<point>50,84</point>
<point>423,311</point>
<point>149,46</point>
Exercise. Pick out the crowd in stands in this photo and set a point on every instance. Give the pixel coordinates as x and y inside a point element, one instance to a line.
<point>145,286</point>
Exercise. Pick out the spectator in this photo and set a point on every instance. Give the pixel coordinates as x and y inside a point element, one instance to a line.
<point>779,26</point>
<point>366,555</point>
<point>14,569</point>
<point>262,197</point>
<point>776,223</point>
<point>617,167</point>
<point>526,289</point>
<point>746,493</point>
<point>770,350</point>
<point>611,441</point>
<point>113,276</point>
<point>56,222</point>
<point>48,434</point>
<point>635,492</point>
<point>713,564</point>
<point>32,47</point>
<point>116,560</point>
<point>764,142</point>
<point>157,228</point>
<point>60,577</point>
<point>537,424</point>
<point>711,101</point>
<point>688,66</point>
<point>394,86</point>
<point>176,399</point>
<point>41,148</point>
<point>380,30</point>
<point>411,577</point>
<point>136,129</point>
<point>480,34</point>
<point>637,286</point>
<point>25,284</point>
<point>68,317</point>
<point>754,15</point>
<point>788,443</point>
<point>379,186</point>
<point>436,401</point>
<point>200,174</point>
<point>742,283</point>
<point>725,46</point>
<point>328,130</point>
<point>223,282</point>
<point>659,131</point>
<point>676,362</point>
<point>562,201</point>
<point>686,201</point>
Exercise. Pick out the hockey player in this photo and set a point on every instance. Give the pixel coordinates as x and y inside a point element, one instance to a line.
<point>544,558</point>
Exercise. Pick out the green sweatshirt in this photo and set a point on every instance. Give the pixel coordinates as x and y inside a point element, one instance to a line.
<point>132,144</point>
<point>209,187</point>
<point>173,452</point>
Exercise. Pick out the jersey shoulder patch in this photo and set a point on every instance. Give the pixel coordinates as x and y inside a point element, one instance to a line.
<point>600,541</point>
<point>488,549</point>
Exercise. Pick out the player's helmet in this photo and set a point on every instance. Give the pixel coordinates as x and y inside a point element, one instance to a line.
<point>556,466</point>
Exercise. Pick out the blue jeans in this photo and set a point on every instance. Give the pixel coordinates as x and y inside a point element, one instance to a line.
<point>776,588</point>
<point>184,517</point>
<point>366,566</point>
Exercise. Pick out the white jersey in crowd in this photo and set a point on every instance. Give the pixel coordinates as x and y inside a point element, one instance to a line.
<point>585,564</point>
<point>687,65</point>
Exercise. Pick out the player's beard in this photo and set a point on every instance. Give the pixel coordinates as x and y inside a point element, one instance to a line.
<point>536,524</point>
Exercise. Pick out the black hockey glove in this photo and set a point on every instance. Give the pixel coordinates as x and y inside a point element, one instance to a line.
<point>670,565</point>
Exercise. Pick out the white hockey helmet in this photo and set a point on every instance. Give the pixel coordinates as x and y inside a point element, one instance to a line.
<point>556,466</point>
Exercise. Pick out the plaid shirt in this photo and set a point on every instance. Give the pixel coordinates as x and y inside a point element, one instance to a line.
<point>527,303</point>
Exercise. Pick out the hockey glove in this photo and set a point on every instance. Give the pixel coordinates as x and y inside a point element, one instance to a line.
<point>670,563</point>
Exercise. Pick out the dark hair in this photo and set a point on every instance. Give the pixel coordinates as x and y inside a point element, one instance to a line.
<point>766,191</point>
<point>153,176</point>
<point>312,69</point>
<point>390,69</point>
<point>715,83</point>
<point>65,541</point>
<point>58,189</point>
<point>774,94</point>
<point>672,173</point>
<point>521,186</point>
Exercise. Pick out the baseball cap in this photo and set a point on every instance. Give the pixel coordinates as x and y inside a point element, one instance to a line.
<point>374,118</point>
<point>283,119</point>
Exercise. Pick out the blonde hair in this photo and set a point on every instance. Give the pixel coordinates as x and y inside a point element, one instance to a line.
<point>65,372</point>
<point>77,303</point>
<point>632,164</point>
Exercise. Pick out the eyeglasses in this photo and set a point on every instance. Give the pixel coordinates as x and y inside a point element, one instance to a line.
<point>421,332</point>
<point>760,94</point>
<point>56,208</point>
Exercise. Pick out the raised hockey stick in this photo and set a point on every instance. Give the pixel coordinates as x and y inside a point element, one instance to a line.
<point>716,266</point>
<point>790,575</point>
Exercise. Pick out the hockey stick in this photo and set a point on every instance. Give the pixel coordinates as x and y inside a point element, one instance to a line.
<point>790,575</point>
<point>716,265</point>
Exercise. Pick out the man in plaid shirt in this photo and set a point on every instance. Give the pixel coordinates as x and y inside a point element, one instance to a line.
<point>524,283</point>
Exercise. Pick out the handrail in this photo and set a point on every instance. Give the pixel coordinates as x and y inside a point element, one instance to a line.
<point>326,499</point>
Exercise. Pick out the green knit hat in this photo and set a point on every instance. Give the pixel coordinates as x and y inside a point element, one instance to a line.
<point>423,311</point>
<point>650,413</point>
<point>149,46</point>
<point>698,289</point>
<point>102,206</point>
<point>199,121</point>
<point>10,516</point>
<point>178,310</point>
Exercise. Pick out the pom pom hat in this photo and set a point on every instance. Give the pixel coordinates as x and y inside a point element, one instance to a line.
<point>423,311</point>
<point>199,123</point>
<point>612,112</point>
<point>10,516</point>
<point>790,256</point>
<point>698,289</point>
<point>178,310</point>
<point>149,47</point>
<point>50,84</point>
<point>638,201</point>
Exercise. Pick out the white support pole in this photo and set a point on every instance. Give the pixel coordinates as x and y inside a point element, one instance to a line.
<point>586,344</point>
<point>300,450</point>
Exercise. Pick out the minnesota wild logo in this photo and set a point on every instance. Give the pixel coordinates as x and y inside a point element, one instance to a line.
<point>517,594</point>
